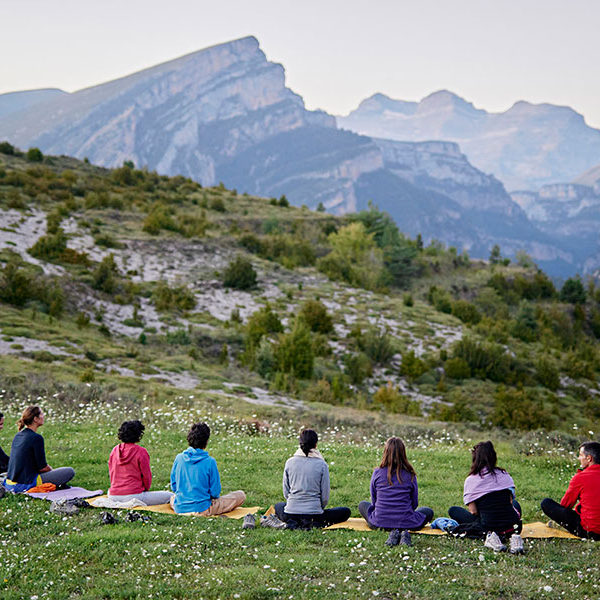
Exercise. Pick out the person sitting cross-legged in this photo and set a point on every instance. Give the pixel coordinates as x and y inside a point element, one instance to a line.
<point>196,482</point>
<point>129,469</point>
<point>584,488</point>
<point>306,489</point>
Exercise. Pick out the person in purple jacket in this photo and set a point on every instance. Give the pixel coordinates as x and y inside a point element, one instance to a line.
<point>395,496</point>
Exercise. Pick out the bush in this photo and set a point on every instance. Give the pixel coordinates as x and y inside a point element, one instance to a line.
<point>6,148</point>
<point>466,312</point>
<point>171,298</point>
<point>315,316</point>
<point>526,327</point>
<point>486,360</point>
<point>412,367</point>
<point>265,359</point>
<point>15,285</point>
<point>457,368</point>
<point>158,219</point>
<point>320,391</point>
<point>179,337</point>
<point>377,345</point>
<point>358,367</point>
<point>294,353</point>
<point>260,323</point>
<point>440,299</point>
<point>573,291</point>
<point>240,274</point>
<point>218,205</point>
<point>50,246</point>
<point>104,277</point>
<point>547,374</point>
<point>392,400</point>
<point>520,409</point>
<point>408,300</point>
<point>458,411</point>
<point>34,155</point>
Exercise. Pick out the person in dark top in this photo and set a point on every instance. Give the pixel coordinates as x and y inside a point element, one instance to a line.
<point>27,466</point>
<point>3,456</point>
<point>489,494</point>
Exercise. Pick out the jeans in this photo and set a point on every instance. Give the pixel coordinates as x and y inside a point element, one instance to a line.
<point>363,509</point>
<point>58,477</point>
<point>329,516</point>
<point>568,518</point>
<point>462,515</point>
<point>148,498</point>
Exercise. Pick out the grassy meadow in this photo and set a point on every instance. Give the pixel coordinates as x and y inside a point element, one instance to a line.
<point>44,555</point>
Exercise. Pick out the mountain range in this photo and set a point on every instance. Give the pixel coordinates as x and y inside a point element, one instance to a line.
<point>527,146</point>
<point>225,114</point>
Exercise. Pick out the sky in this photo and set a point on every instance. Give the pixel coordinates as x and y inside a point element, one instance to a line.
<point>336,52</point>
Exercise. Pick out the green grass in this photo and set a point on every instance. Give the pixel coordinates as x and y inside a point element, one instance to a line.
<point>49,556</point>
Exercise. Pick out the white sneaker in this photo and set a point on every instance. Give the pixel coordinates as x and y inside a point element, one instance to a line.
<point>516,544</point>
<point>493,541</point>
<point>272,521</point>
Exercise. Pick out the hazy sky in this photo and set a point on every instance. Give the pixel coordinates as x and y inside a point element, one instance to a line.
<point>335,52</point>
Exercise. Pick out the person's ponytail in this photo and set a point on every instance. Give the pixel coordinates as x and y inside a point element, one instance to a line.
<point>29,414</point>
<point>308,440</point>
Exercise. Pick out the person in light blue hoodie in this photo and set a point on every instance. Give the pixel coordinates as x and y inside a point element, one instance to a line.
<point>196,482</point>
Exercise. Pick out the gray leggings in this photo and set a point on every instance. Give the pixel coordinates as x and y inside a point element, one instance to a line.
<point>59,476</point>
<point>148,498</point>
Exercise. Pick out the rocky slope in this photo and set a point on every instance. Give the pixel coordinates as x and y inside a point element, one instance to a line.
<point>527,146</point>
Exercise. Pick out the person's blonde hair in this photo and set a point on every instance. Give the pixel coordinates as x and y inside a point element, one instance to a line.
<point>29,414</point>
<point>394,459</point>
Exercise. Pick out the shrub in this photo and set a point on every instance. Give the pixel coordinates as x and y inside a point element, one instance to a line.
<point>158,219</point>
<point>408,300</point>
<point>15,285</point>
<point>520,409</point>
<point>486,360</point>
<point>265,359</point>
<point>283,202</point>
<point>240,274</point>
<point>547,374</point>
<point>412,367</point>
<point>251,243</point>
<point>260,323</point>
<point>50,246</point>
<point>377,345</point>
<point>34,155</point>
<point>171,298</point>
<point>458,411</point>
<point>6,148</point>
<point>392,400</point>
<point>218,204</point>
<point>179,337</point>
<point>525,327</point>
<point>107,241</point>
<point>358,367</point>
<point>316,317</point>
<point>466,312</point>
<point>294,353</point>
<point>457,368</point>
<point>320,391</point>
<point>573,291</point>
<point>104,277</point>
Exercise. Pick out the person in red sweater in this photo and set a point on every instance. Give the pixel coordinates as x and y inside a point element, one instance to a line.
<point>129,468</point>
<point>584,521</point>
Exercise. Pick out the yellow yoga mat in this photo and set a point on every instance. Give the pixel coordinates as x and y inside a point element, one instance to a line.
<point>238,513</point>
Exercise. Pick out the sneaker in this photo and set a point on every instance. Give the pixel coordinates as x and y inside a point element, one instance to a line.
<point>272,521</point>
<point>405,538</point>
<point>249,521</point>
<point>79,502</point>
<point>393,538</point>
<point>493,541</point>
<point>108,518</point>
<point>63,507</point>
<point>516,544</point>
<point>136,516</point>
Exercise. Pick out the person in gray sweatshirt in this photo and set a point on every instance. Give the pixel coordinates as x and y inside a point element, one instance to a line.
<point>306,488</point>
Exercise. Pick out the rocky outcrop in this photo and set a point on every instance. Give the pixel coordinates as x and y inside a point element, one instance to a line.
<point>525,147</point>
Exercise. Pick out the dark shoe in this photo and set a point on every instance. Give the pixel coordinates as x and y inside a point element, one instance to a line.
<point>78,502</point>
<point>63,507</point>
<point>108,518</point>
<point>249,521</point>
<point>405,538</point>
<point>2,491</point>
<point>136,516</point>
<point>393,538</point>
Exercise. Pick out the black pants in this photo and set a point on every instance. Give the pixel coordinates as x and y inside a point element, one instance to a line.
<point>363,509</point>
<point>488,523</point>
<point>568,518</point>
<point>329,516</point>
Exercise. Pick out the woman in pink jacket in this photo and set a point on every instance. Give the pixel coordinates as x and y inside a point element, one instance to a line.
<point>129,468</point>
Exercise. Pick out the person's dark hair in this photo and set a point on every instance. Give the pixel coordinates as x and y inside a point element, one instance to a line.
<point>131,432</point>
<point>1,416</point>
<point>484,457</point>
<point>395,460</point>
<point>29,414</point>
<point>198,435</point>
<point>592,449</point>
<point>308,440</point>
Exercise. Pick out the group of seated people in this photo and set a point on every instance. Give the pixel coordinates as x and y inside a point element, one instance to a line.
<point>489,491</point>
